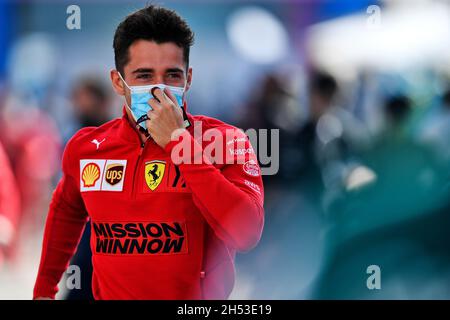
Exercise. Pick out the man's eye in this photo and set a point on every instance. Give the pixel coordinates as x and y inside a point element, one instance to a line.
<point>143,76</point>
<point>174,75</point>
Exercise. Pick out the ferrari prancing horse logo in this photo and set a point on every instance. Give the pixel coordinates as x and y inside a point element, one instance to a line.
<point>154,172</point>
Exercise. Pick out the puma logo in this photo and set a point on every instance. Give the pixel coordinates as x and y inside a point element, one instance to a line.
<point>97,143</point>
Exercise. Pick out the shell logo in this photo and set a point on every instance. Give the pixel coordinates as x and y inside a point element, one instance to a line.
<point>90,174</point>
<point>251,168</point>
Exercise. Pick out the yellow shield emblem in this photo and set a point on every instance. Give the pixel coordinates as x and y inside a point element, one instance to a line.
<point>154,173</point>
<point>90,175</point>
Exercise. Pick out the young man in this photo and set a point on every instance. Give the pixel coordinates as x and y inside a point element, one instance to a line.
<point>160,230</point>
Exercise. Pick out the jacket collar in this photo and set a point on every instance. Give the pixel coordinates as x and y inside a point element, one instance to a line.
<point>127,129</point>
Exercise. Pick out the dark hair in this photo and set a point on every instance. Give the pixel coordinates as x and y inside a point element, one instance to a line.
<point>154,24</point>
<point>323,84</point>
<point>96,87</point>
<point>446,98</point>
<point>398,108</point>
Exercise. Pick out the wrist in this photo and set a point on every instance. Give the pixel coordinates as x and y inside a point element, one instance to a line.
<point>175,139</point>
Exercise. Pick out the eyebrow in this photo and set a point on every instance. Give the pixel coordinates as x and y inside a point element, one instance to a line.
<point>150,70</point>
<point>144,70</point>
<point>174,70</point>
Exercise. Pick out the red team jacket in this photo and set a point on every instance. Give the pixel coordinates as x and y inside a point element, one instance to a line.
<point>159,230</point>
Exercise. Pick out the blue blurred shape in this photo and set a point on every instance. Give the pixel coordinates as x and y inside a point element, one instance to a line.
<point>6,32</point>
<point>329,9</point>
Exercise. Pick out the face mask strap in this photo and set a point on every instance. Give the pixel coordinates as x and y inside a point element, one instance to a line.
<point>142,119</point>
<point>126,103</point>
<point>126,84</point>
<point>186,121</point>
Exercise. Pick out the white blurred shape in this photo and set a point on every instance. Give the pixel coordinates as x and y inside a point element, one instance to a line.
<point>257,34</point>
<point>359,177</point>
<point>6,230</point>
<point>328,128</point>
<point>32,62</point>
<point>412,35</point>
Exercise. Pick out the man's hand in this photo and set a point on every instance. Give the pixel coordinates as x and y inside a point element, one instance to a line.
<point>165,118</point>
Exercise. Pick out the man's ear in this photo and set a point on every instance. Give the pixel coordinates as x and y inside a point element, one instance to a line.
<point>117,83</point>
<point>188,78</point>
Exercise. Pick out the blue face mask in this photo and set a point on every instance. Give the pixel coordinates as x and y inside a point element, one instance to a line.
<point>140,96</point>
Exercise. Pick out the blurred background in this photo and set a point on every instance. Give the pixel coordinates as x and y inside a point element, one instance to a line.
<point>359,89</point>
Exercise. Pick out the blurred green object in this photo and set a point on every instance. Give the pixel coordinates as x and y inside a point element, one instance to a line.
<point>398,221</point>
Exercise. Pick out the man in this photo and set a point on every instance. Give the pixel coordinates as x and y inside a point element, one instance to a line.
<point>159,230</point>
<point>91,101</point>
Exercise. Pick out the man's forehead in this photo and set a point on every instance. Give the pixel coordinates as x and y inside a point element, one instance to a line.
<point>157,56</point>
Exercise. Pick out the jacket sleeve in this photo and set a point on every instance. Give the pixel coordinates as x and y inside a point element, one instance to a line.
<point>230,199</point>
<point>66,220</point>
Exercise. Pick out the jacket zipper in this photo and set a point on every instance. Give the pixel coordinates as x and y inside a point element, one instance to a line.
<point>136,169</point>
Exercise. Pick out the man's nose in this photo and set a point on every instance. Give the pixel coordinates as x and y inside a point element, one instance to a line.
<point>159,79</point>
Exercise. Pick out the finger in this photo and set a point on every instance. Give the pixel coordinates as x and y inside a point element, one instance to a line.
<point>150,127</point>
<point>170,95</point>
<point>153,102</point>
<point>149,115</point>
<point>158,94</point>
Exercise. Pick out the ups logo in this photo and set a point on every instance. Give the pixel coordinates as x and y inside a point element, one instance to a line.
<point>114,173</point>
